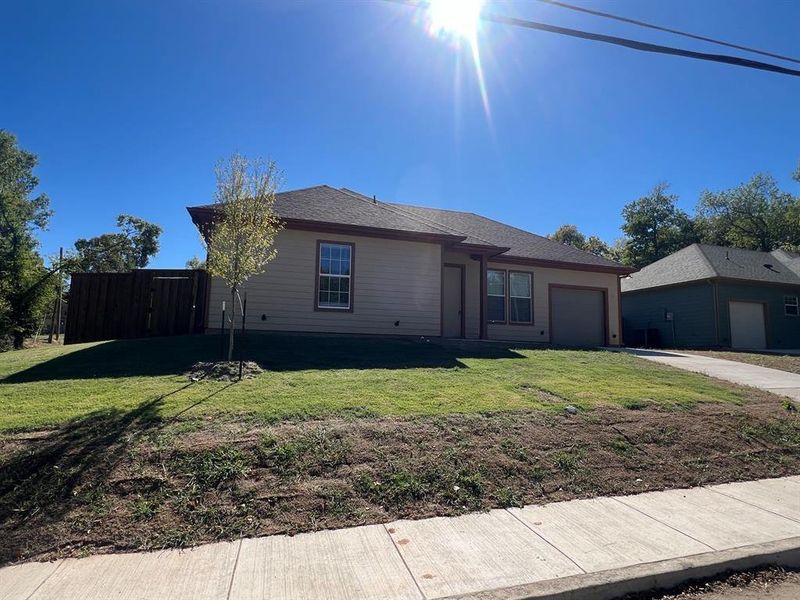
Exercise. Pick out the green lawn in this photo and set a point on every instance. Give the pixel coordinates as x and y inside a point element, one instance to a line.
<point>318,375</point>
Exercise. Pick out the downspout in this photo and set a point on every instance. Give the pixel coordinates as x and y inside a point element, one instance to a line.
<point>715,292</point>
<point>620,336</point>
<point>483,288</point>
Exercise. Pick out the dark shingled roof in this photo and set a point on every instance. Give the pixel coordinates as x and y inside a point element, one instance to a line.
<point>701,261</point>
<point>520,243</point>
<point>325,205</point>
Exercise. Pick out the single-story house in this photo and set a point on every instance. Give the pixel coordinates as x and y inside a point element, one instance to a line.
<point>348,263</point>
<point>715,297</point>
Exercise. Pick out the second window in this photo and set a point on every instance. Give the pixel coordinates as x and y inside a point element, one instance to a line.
<point>520,297</point>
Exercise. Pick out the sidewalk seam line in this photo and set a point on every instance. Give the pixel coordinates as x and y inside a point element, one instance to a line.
<point>405,564</point>
<point>49,575</point>
<point>233,572</point>
<point>772,512</point>
<point>546,541</point>
<point>709,546</point>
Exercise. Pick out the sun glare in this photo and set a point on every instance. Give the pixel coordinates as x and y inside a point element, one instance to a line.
<point>458,19</point>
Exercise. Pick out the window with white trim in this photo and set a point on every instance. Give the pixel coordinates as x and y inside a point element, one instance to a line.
<point>496,292</point>
<point>335,273</point>
<point>790,306</point>
<point>520,303</point>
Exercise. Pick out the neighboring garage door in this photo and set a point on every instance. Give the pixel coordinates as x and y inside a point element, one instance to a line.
<point>578,317</point>
<point>747,325</point>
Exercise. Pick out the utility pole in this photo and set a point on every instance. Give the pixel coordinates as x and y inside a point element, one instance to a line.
<point>55,322</point>
<point>60,290</point>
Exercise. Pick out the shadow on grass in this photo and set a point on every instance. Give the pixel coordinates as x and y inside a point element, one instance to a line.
<point>68,469</point>
<point>275,352</point>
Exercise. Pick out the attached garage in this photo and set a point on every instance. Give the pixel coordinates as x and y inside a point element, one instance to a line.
<point>748,325</point>
<point>578,316</point>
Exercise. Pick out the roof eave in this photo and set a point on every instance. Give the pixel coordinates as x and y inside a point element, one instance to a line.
<point>202,216</point>
<point>571,266</point>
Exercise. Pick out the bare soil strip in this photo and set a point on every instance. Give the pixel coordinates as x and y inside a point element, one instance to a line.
<point>126,481</point>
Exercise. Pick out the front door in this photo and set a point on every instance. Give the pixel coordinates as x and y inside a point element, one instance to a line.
<point>452,301</point>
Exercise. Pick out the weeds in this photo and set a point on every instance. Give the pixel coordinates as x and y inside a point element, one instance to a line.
<point>313,453</point>
<point>773,432</point>
<point>567,461</point>
<point>210,469</point>
<point>145,508</point>
<point>661,436</point>
<point>621,446</point>
<point>507,497</point>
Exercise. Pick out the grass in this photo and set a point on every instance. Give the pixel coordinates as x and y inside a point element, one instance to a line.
<point>316,376</point>
<point>782,362</point>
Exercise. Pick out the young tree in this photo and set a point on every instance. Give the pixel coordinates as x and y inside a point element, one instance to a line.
<point>655,227</point>
<point>131,248</point>
<point>755,215</point>
<point>23,299</point>
<point>240,242</point>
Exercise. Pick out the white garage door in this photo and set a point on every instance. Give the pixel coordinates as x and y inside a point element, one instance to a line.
<point>577,317</point>
<point>747,325</point>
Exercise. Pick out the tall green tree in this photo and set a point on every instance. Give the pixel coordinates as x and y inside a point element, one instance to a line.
<point>195,263</point>
<point>240,242</point>
<point>755,215</point>
<point>569,235</point>
<point>24,293</point>
<point>572,236</point>
<point>130,248</point>
<point>655,227</point>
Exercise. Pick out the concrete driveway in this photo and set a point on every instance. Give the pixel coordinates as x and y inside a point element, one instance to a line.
<point>772,380</point>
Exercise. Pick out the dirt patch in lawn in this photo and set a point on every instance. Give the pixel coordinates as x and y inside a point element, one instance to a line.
<point>123,481</point>
<point>224,371</point>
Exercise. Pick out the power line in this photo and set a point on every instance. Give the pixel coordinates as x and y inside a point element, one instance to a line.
<point>625,42</point>
<point>643,46</point>
<point>703,38</point>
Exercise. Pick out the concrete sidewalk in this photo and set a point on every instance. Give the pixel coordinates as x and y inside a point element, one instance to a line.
<point>594,548</point>
<point>778,382</point>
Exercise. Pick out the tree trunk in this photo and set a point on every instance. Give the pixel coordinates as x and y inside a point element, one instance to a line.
<point>230,334</point>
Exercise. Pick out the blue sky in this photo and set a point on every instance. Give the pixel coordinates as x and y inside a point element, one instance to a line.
<point>130,103</point>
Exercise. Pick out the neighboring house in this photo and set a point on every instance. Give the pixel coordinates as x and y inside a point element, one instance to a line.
<point>710,296</point>
<point>348,263</point>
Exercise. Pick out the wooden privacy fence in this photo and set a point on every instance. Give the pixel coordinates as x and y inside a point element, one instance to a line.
<point>141,303</point>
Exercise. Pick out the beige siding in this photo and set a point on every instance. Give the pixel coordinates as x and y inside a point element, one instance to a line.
<point>393,281</point>
<point>542,278</point>
<point>472,283</point>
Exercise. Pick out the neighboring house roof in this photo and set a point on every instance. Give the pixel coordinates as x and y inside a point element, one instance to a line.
<point>699,262</point>
<point>327,206</point>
